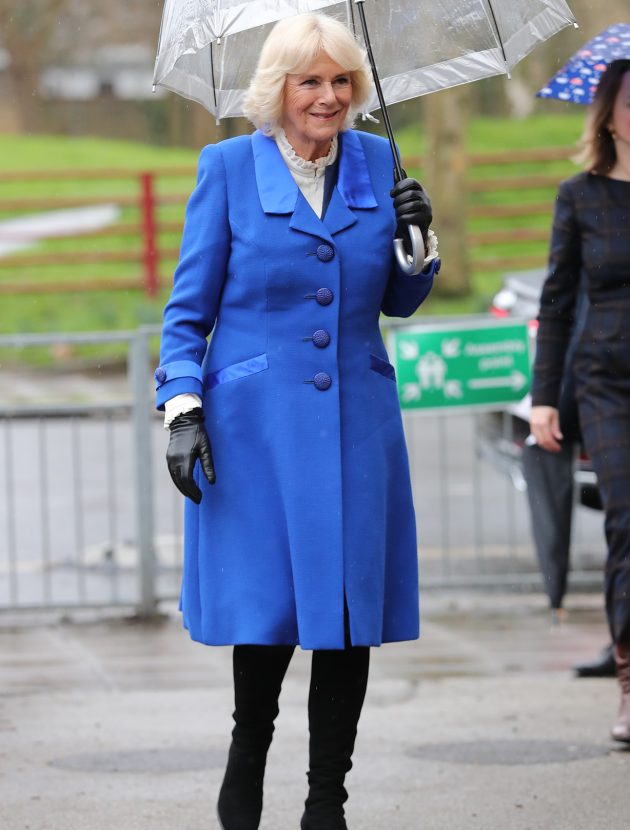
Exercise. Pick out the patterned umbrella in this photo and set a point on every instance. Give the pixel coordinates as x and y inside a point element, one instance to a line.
<point>578,78</point>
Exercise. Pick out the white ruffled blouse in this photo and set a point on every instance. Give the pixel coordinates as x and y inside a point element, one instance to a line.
<point>308,175</point>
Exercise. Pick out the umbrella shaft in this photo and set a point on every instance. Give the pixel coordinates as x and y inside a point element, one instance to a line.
<point>398,170</point>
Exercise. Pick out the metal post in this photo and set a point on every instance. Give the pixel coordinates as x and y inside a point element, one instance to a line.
<point>478,500</point>
<point>11,514</point>
<point>149,235</point>
<point>138,372</point>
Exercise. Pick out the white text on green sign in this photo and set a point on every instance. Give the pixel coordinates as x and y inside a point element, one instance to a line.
<point>450,366</point>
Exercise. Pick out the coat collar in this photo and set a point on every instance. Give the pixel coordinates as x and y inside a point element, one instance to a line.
<point>279,193</point>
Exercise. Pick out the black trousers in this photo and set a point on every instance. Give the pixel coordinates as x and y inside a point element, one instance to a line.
<point>602,374</point>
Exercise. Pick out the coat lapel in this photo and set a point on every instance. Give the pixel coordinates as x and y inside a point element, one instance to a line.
<point>354,183</point>
<point>305,219</point>
<point>277,189</point>
<point>279,193</point>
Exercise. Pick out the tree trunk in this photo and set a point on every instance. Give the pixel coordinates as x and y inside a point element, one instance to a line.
<point>24,104</point>
<point>446,118</point>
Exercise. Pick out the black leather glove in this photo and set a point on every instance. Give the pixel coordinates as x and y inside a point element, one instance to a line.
<point>189,442</point>
<point>412,206</point>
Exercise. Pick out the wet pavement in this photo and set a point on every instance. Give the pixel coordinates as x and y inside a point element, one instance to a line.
<point>480,724</point>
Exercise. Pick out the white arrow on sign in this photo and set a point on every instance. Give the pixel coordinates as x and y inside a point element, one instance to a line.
<point>453,389</point>
<point>452,347</point>
<point>409,350</point>
<point>517,380</point>
<point>411,392</point>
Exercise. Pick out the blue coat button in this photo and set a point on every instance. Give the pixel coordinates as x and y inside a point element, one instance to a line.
<point>322,381</point>
<point>160,375</point>
<point>321,338</point>
<point>324,296</point>
<point>325,253</point>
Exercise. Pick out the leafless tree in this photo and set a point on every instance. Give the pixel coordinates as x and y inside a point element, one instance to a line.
<point>26,28</point>
<point>37,33</point>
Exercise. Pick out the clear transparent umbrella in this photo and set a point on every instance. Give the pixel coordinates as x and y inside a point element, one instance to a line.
<point>208,50</point>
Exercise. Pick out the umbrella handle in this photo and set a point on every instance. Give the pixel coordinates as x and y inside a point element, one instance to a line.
<point>410,264</point>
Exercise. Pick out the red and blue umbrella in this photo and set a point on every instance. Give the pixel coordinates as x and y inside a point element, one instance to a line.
<point>578,78</point>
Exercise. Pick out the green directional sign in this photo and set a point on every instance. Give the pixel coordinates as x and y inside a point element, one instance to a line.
<point>453,365</point>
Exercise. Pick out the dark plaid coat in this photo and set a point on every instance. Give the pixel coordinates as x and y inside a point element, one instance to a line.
<point>591,241</point>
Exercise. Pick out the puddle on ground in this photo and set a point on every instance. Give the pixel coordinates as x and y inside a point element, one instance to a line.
<point>508,752</point>
<point>143,760</point>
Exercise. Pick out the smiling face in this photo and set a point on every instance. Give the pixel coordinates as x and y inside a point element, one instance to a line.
<point>315,106</point>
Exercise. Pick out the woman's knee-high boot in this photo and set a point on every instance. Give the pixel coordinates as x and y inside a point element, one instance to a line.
<point>338,684</point>
<point>621,729</point>
<point>258,675</point>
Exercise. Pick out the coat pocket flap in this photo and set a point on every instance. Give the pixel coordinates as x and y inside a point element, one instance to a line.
<point>377,364</point>
<point>236,370</point>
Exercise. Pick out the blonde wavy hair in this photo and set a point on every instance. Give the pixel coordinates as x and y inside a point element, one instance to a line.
<point>291,47</point>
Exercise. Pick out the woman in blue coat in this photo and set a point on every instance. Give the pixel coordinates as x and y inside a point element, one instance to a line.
<point>306,534</point>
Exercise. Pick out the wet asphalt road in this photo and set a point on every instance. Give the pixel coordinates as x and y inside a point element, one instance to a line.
<point>478,725</point>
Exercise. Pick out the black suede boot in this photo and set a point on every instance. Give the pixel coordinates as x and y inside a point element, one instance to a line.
<point>338,684</point>
<point>258,675</point>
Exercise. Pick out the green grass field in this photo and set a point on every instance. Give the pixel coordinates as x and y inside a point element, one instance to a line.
<point>36,152</point>
<point>498,134</point>
<point>83,310</point>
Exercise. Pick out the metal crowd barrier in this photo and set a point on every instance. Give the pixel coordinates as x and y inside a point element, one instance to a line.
<point>89,517</point>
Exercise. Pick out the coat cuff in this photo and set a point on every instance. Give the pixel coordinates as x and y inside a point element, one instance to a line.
<point>177,378</point>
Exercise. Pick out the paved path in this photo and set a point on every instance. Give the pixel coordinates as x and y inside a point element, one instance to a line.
<point>25,231</point>
<point>479,725</point>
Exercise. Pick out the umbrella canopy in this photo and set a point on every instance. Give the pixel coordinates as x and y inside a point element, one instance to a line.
<point>549,479</point>
<point>578,78</point>
<point>208,49</point>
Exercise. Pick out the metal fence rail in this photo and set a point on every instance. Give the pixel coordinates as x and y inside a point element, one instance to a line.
<point>76,498</point>
<point>89,516</point>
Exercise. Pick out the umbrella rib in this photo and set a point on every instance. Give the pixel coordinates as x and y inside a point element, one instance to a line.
<point>350,12</point>
<point>496,28</point>
<point>214,86</point>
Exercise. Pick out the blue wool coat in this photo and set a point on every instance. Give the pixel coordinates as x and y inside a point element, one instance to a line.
<point>312,504</point>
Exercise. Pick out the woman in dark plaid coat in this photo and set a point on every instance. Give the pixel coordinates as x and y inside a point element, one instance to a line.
<point>591,238</point>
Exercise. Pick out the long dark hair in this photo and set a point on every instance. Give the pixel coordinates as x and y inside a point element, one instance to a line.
<point>598,152</point>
